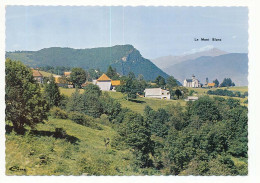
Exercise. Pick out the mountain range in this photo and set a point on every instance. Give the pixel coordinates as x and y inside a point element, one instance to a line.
<point>124,58</point>
<point>212,64</point>
<point>170,60</point>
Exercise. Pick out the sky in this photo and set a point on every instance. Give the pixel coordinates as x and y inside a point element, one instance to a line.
<point>154,31</point>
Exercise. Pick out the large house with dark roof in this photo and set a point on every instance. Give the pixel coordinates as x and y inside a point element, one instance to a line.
<point>194,83</point>
<point>105,83</point>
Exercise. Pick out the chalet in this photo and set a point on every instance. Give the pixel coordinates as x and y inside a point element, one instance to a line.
<point>157,93</point>
<point>105,83</point>
<point>37,75</point>
<point>194,83</point>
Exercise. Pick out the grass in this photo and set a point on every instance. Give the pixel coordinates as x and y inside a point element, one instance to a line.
<point>136,105</point>
<point>46,74</point>
<point>68,91</point>
<point>139,104</point>
<point>41,154</point>
<point>203,91</point>
<point>241,89</point>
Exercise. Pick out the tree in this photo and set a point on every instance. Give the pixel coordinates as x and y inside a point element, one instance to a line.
<point>75,103</point>
<point>171,82</point>
<point>24,102</point>
<point>93,89</point>
<point>77,77</point>
<point>227,82</point>
<point>178,93</point>
<point>140,77</point>
<point>160,81</point>
<point>216,82</point>
<point>111,73</point>
<point>52,93</point>
<point>128,86</point>
<point>206,109</point>
<point>135,132</point>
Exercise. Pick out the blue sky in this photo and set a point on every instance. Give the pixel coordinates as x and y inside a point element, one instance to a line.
<point>154,31</point>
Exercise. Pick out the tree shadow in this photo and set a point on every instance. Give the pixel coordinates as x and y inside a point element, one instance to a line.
<point>137,101</point>
<point>58,134</point>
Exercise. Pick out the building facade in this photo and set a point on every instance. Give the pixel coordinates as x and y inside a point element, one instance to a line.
<point>105,83</point>
<point>157,93</point>
<point>193,83</point>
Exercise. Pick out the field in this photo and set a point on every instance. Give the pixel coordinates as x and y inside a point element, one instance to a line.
<point>46,74</point>
<point>203,91</point>
<point>241,89</point>
<point>139,104</point>
<point>136,105</point>
<point>38,152</point>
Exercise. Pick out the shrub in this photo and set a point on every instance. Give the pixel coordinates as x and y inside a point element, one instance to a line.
<point>104,119</point>
<point>56,112</point>
<point>77,117</point>
<point>84,120</point>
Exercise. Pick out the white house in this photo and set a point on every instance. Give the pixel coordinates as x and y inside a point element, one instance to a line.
<point>194,83</point>
<point>157,93</point>
<point>192,98</point>
<point>105,83</point>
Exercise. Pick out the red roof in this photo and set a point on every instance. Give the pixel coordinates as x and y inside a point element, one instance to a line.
<point>36,73</point>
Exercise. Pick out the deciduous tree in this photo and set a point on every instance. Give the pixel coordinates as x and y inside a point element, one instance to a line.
<point>24,102</point>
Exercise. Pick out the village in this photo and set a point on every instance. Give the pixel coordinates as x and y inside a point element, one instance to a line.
<point>107,84</point>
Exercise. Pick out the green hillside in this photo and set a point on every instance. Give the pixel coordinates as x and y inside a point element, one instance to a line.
<point>40,153</point>
<point>124,58</point>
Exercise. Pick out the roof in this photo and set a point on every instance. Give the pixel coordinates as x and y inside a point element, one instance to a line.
<point>115,82</point>
<point>104,77</point>
<point>36,73</point>
<point>211,84</point>
<point>188,80</point>
<point>67,73</point>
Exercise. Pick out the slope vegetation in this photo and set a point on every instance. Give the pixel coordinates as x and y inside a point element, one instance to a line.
<point>124,58</point>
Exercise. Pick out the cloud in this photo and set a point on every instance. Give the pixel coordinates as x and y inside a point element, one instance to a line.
<point>234,37</point>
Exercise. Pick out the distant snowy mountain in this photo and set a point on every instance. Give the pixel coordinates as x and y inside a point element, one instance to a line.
<point>167,61</point>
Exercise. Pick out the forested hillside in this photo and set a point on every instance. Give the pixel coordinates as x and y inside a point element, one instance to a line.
<point>124,58</point>
<point>90,132</point>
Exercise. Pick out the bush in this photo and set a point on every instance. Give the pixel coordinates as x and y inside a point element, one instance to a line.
<point>56,112</point>
<point>77,117</point>
<point>84,120</point>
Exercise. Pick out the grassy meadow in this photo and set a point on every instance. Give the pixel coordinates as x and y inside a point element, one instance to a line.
<point>139,104</point>
<point>38,152</point>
